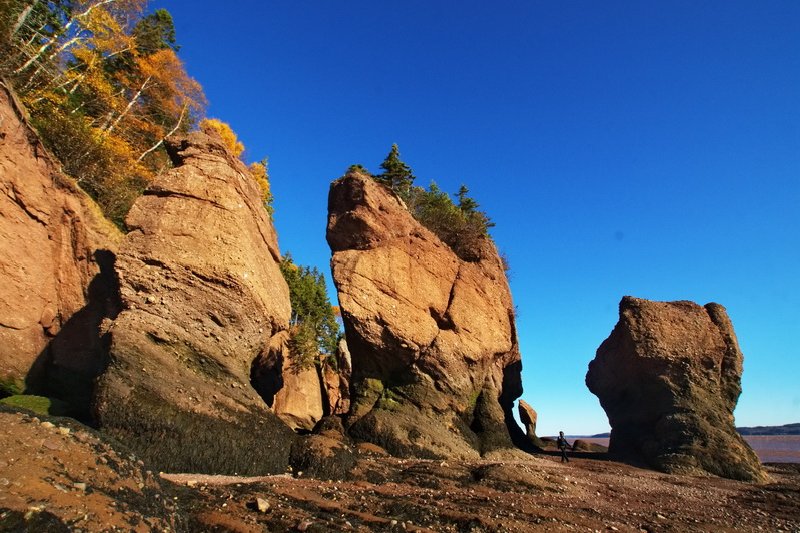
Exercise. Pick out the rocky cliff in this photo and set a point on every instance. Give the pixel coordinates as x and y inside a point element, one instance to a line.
<point>669,377</point>
<point>436,365</point>
<point>204,302</point>
<point>56,260</point>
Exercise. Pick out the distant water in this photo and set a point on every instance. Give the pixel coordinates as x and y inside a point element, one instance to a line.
<point>769,448</point>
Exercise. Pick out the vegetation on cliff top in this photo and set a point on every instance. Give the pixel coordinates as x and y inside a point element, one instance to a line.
<point>460,224</point>
<point>104,87</point>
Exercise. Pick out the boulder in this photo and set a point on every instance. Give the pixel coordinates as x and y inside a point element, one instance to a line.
<point>56,260</point>
<point>299,402</point>
<point>669,377</point>
<point>436,364</point>
<point>203,299</point>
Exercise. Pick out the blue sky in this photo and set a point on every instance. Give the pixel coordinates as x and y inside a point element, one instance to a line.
<point>642,148</point>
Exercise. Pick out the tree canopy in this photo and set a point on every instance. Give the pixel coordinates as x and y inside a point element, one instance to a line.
<point>104,87</point>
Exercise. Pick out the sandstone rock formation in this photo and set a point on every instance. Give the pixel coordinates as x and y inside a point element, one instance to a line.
<point>669,377</point>
<point>528,417</point>
<point>56,262</point>
<point>203,299</point>
<point>336,382</point>
<point>436,365</point>
<point>299,402</point>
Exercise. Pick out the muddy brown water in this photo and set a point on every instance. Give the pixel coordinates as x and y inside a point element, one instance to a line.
<point>769,448</point>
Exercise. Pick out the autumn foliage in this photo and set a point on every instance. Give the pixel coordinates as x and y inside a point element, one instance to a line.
<point>104,87</point>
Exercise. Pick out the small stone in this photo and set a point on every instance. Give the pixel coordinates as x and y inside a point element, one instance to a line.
<point>191,483</point>
<point>262,505</point>
<point>48,425</point>
<point>393,523</point>
<point>150,299</point>
<point>64,431</point>
<point>80,486</point>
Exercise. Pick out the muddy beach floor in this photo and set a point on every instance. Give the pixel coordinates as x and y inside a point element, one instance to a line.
<point>56,475</point>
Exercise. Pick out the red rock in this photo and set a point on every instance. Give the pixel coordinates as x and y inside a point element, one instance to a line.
<point>53,245</point>
<point>204,298</point>
<point>669,377</point>
<point>432,337</point>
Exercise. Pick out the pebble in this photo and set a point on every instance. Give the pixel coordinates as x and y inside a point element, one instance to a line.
<point>64,431</point>
<point>79,486</point>
<point>262,505</point>
<point>48,425</point>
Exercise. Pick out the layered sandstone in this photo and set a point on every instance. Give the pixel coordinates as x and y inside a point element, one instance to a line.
<point>669,377</point>
<point>56,263</point>
<point>203,299</point>
<point>436,365</point>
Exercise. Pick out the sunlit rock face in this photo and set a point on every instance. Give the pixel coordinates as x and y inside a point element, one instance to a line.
<point>203,302</point>
<point>669,377</point>
<point>436,365</point>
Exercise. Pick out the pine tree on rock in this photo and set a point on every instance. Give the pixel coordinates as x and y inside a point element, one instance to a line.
<point>397,175</point>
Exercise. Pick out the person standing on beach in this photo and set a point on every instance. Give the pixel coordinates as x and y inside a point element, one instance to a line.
<point>562,444</point>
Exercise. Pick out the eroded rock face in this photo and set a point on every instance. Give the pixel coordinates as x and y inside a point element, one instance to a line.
<point>669,377</point>
<point>203,298</point>
<point>436,365</point>
<point>336,381</point>
<point>56,261</point>
<point>528,417</point>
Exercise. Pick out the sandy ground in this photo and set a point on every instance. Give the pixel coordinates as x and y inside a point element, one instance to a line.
<point>60,476</point>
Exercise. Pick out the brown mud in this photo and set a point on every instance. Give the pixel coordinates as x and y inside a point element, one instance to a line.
<point>56,475</point>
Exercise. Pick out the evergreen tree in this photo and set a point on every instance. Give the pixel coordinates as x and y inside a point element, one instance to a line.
<point>155,32</point>
<point>465,203</point>
<point>396,174</point>
<point>313,323</point>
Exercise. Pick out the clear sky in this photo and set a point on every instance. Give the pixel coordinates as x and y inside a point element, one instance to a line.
<point>641,148</point>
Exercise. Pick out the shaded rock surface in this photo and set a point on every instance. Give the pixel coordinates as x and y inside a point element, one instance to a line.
<point>336,382</point>
<point>669,377</point>
<point>56,263</point>
<point>436,365</point>
<point>203,299</point>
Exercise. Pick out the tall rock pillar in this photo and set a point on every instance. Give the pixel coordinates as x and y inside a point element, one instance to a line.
<point>669,377</point>
<point>436,365</point>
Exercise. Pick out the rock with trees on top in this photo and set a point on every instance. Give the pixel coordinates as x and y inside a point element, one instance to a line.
<point>435,360</point>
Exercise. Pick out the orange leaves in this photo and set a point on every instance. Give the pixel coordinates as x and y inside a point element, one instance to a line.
<point>258,171</point>
<point>224,130</point>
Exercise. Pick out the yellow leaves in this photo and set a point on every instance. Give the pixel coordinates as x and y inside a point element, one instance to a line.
<point>258,171</point>
<point>260,174</point>
<point>224,130</point>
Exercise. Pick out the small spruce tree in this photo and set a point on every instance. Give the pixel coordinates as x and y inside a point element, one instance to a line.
<point>396,174</point>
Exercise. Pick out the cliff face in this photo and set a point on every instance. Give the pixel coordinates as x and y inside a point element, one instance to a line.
<point>669,377</point>
<point>56,262</point>
<point>436,365</point>
<point>203,299</point>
